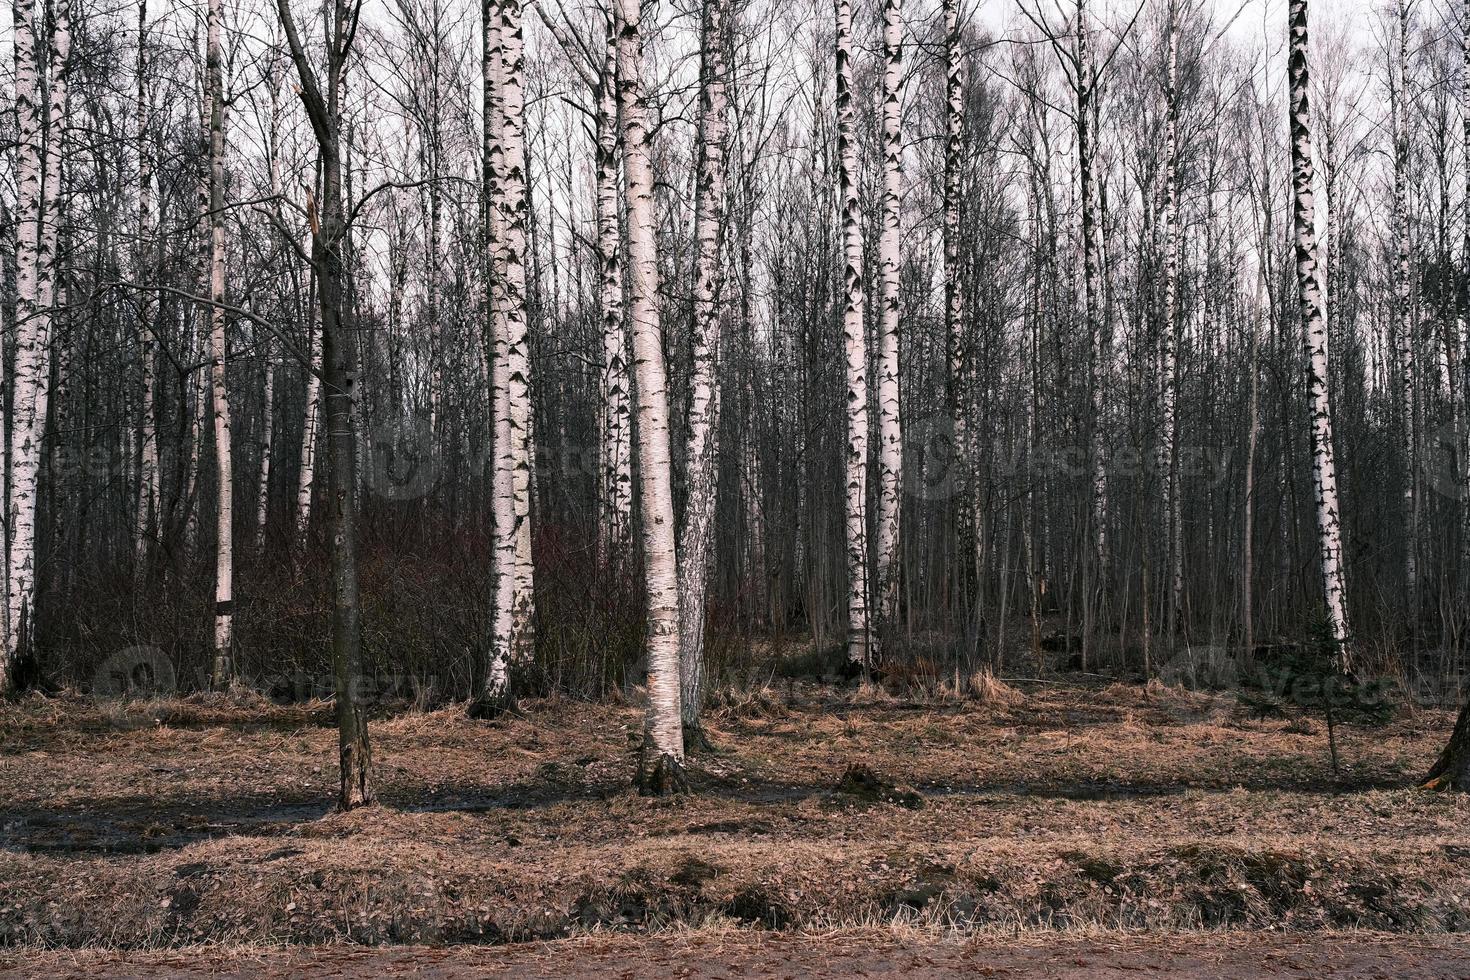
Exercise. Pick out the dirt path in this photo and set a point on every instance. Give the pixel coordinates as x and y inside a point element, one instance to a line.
<point>751,956</point>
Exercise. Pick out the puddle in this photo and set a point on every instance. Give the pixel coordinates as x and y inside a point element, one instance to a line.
<point>140,831</point>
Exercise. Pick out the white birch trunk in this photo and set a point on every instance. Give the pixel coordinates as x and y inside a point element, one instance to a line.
<point>1314,331</point>
<point>32,355</point>
<point>615,484</point>
<point>696,541</point>
<point>855,346</point>
<point>517,352</point>
<point>309,430</point>
<point>218,348</point>
<point>148,475</point>
<point>1403,326</point>
<point>495,694</point>
<point>1092,285</point>
<point>954,331</point>
<point>1168,335</point>
<point>664,738</point>
<point>887,562</point>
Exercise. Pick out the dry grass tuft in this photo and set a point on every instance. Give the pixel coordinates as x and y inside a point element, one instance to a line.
<point>983,686</point>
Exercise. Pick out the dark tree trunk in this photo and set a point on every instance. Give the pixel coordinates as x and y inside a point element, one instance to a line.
<point>1452,771</point>
<point>339,364</point>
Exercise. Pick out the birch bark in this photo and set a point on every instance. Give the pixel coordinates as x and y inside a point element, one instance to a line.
<point>1169,332</point>
<point>696,541</point>
<point>1403,332</point>
<point>890,430</point>
<point>664,738</point>
<point>37,173</point>
<point>148,477</point>
<point>855,347</point>
<point>224,594</point>
<point>517,352</point>
<point>1314,333</point>
<point>495,695</point>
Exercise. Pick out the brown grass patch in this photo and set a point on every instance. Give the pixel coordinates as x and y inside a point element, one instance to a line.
<point>1107,808</point>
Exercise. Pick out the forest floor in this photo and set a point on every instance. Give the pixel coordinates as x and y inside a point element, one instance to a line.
<point>754,955</point>
<point>1069,813</point>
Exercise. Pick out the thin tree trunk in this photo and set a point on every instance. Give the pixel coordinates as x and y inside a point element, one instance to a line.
<point>218,348</point>
<point>887,563</point>
<point>1168,333</point>
<point>267,434</point>
<point>1314,333</point>
<point>339,359</point>
<point>615,485</point>
<point>34,253</point>
<point>697,539</point>
<point>143,266</point>
<point>1403,326</point>
<point>954,328</point>
<point>495,695</point>
<point>517,351</point>
<point>855,347</point>
<point>661,770</point>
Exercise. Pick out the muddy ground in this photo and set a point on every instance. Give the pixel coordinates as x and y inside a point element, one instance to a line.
<point>1070,807</point>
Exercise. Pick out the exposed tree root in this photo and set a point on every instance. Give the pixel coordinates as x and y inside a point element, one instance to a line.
<point>665,777</point>
<point>696,739</point>
<point>487,707</point>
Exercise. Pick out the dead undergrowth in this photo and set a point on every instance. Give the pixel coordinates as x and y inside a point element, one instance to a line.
<point>155,824</point>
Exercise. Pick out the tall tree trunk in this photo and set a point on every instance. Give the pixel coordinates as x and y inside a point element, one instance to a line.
<point>697,539</point>
<point>887,561</point>
<point>339,360</point>
<point>1403,325</point>
<point>37,176</point>
<point>495,693</point>
<point>517,351</point>
<point>1314,334</point>
<point>954,327</point>
<point>1095,554</point>
<point>218,347</point>
<point>855,347</point>
<point>615,484</point>
<point>1462,390</point>
<point>143,266</point>
<point>1168,333</point>
<point>661,770</point>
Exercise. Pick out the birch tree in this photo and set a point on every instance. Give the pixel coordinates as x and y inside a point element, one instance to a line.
<point>661,769</point>
<point>697,537</point>
<point>149,490</point>
<point>512,242</point>
<point>495,695</point>
<point>1314,333</point>
<point>218,347</point>
<point>854,344</point>
<point>890,430</point>
<point>1169,329</point>
<point>38,170</point>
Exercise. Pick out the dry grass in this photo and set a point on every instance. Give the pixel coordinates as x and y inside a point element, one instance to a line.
<point>1077,808</point>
